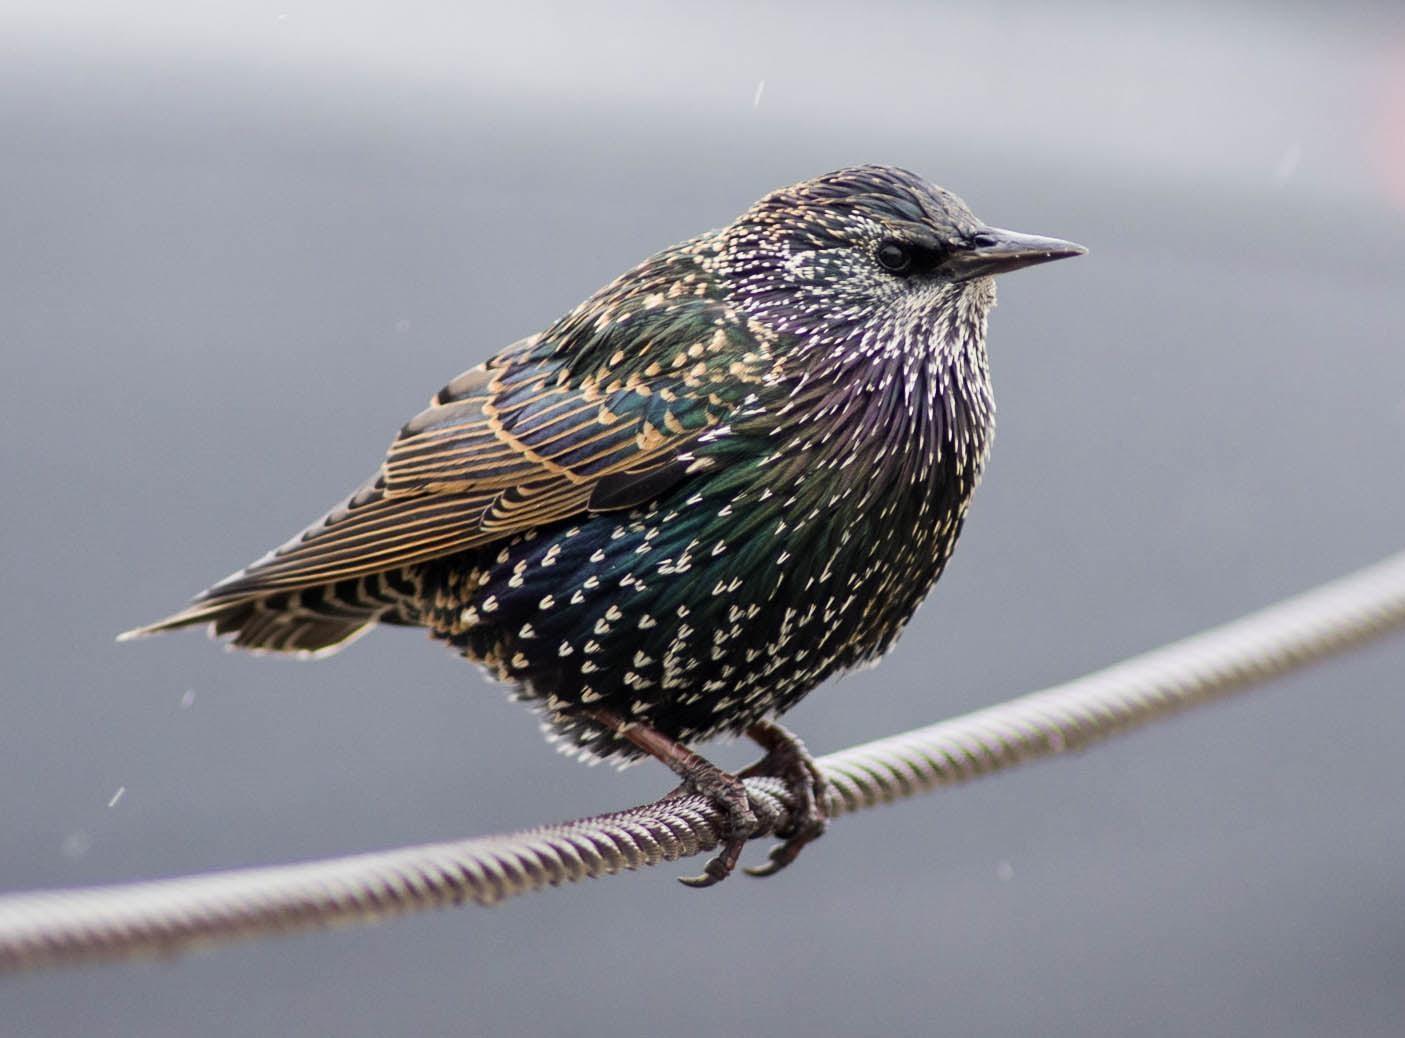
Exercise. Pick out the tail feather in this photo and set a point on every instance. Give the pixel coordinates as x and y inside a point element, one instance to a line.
<point>312,620</point>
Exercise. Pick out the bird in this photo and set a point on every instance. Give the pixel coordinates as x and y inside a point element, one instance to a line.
<point>728,475</point>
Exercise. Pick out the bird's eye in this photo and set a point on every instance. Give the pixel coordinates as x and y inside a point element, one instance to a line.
<point>894,257</point>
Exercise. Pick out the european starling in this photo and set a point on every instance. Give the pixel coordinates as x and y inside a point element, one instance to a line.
<point>731,473</point>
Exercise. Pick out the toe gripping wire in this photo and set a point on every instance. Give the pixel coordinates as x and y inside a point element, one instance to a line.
<point>163,917</point>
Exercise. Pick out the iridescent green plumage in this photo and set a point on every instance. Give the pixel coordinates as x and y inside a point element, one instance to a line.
<point>731,473</point>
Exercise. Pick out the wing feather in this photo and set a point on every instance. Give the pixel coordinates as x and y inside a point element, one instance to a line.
<point>599,412</point>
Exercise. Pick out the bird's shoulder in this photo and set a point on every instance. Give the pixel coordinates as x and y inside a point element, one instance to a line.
<point>634,373</point>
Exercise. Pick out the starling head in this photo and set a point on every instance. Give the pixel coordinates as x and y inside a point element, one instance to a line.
<point>870,258</point>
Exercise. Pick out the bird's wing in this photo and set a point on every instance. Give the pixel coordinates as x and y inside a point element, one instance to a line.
<point>600,415</point>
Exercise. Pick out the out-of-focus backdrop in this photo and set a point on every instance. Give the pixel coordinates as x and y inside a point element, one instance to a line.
<point>241,242</point>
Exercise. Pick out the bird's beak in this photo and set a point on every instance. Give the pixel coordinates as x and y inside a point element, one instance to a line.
<point>994,250</point>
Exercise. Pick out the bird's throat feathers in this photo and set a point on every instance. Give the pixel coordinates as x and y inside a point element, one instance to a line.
<point>908,397</point>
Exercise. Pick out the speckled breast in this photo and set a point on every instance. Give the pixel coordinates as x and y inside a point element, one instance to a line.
<point>724,601</point>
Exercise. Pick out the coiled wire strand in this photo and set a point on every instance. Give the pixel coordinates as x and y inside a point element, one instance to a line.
<point>166,916</point>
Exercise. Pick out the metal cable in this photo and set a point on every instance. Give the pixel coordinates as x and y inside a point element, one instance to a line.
<point>166,916</point>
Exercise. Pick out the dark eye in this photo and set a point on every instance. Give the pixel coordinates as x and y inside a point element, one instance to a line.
<point>894,257</point>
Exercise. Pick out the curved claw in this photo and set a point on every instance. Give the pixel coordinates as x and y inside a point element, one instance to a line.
<point>773,865</point>
<point>782,854</point>
<point>788,760</point>
<point>718,868</point>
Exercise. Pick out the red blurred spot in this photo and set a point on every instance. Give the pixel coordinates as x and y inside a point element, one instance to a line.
<point>1389,132</point>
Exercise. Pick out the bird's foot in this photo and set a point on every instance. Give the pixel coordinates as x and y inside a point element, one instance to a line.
<point>788,760</point>
<point>728,792</point>
<point>700,777</point>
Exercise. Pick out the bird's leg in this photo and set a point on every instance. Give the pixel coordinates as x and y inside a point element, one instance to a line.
<point>699,776</point>
<point>788,760</point>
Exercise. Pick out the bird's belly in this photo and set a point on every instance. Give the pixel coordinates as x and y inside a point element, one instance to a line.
<point>698,615</point>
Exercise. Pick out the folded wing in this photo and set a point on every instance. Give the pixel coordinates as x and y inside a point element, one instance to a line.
<point>527,439</point>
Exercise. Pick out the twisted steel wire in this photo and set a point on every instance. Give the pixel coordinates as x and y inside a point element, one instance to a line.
<point>166,916</point>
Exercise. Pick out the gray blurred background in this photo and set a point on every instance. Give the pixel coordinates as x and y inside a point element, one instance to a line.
<point>241,242</point>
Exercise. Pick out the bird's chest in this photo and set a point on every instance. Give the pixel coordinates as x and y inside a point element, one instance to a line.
<point>802,560</point>
<point>795,555</point>
<point>857,544</point>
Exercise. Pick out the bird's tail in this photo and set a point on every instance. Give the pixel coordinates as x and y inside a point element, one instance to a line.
<point>315,620</point>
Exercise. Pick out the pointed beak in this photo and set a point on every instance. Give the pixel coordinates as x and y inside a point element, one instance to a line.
<point>994,250</point>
